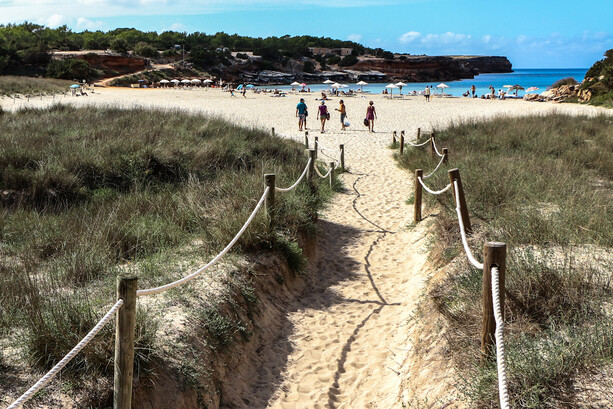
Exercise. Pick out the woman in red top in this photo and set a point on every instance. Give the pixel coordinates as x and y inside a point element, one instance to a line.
<point>371,115</point>
<point>322,114</point>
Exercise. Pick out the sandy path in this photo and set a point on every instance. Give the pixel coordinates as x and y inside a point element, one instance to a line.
<point>348,333</point>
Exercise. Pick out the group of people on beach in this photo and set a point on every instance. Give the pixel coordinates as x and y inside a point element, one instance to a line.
<point>323,115</point>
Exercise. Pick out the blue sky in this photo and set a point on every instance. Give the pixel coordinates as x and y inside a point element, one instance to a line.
<point>532,34</point>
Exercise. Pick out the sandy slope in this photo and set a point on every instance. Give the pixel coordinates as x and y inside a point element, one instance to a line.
<point>348,335</point>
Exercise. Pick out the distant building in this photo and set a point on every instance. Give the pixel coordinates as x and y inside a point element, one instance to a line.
<point>338,51</point>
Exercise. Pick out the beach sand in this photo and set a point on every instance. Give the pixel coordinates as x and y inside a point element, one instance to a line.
<point>349,334</point>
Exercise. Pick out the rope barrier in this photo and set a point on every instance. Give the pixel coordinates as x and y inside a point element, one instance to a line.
<point>195,274</point>
<point>435,149</point>
<point>434,192</point>
<point>323,176</point>
<point>330,157</point>
<point>42,382</point>
<point>502,375</point>
<point>435,169</point>
<point>304,172</point>
<point>418,145</point>
<point>469,254</point>
<point>326,149</point>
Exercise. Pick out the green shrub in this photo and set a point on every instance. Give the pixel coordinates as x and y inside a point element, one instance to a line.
<point>69,69</point>
<point>348,61</point>
<point>145,50</point>
<point>564,81</point>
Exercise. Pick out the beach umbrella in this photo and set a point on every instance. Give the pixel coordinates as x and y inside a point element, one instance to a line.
<point>196,81</point>
<point>164,82</point>
<point>400,85</point>
<point>293,84</point>
<point>207,81</point>
<point>361,83</point>
<point>250,85</point>
<point>175,81</point>
<point>186,82</point>
<point>532,89</point>
<point>391,88</point>
<point>516,88</point>
<point>442,86</point>
<point>328,82</point>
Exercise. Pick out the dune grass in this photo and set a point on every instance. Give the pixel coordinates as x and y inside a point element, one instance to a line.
<point>543,185</point>
<point>85,192</point>
<point>14,85</point>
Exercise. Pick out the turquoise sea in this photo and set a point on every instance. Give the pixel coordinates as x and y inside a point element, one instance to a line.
<point>540,78</point>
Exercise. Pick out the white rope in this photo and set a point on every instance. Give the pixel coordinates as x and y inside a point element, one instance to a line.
<point>326,149</point>
<point>304,172</point>
<point>323,176</point>
<point>330,157</point>
<point>42,382</point>
<point>434,192</point>
<point>420,144</point>
<point>435,169</point>
<point>469,254</point>
<point>502,370</point>
<point>212,262</point>
<point>436,150</point>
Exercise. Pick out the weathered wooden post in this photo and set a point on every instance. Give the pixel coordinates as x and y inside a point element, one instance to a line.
<point>316,146</point>
<point>332,166</point>
<point>269,204</point>
<point>342,147</point>
<point>124,341</point>
<point>394,138</point>
<point>306,139</point>
<point>432,148</point>
<point>454,175</point>
<point>272,131</point>
<point>494,255</point>
<point>417,202</point>
<point>418,133</point>
<point>445,155</point>
<point>311,170</point>
<point>401,142</point>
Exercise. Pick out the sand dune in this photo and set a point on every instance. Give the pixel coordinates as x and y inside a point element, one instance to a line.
<point>347,342</point>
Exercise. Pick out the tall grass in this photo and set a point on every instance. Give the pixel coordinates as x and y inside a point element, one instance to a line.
<point>86,191</point>
<point>543,185</point>
<point>13,85</point>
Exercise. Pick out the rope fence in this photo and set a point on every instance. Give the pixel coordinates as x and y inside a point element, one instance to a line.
<point>42,382</point>
<point>433,192</point>
<point>500,359</point>
<point>127,294</point>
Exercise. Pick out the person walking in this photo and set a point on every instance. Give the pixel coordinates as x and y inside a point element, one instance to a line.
<point>322,114</point>
<point>473,89</point>
<point>343,112</point>
<point>427,93</point>
<point>371,115</point>
<point>301,110</point>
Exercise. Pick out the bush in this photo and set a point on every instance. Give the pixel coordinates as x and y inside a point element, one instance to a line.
<point>120,46</point>
<point>308,66</point>
<point>334,60</point>
<point>564,81</point>
<point>145,50</point>
<point>69,68</point>
<point>242,56</point>
<point>348,61</point>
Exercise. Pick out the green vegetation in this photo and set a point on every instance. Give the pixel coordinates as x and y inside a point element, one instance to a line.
<point>11,85</point>
<point>69,68</point>
<point>599,81</point>
<point>543,185</point>
<point>564,81</point>
<point>88,193</point>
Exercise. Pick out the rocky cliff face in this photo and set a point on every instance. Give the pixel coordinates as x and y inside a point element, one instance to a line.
<point>114,64</point>
<point>442,68</point>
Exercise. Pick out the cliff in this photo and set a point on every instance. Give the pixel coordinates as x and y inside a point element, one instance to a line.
<point>439,68</point>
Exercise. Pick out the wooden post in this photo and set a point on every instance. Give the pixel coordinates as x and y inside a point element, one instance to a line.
<point>272,131</point>
<point>432,148</point>
<point>418,133</point>
<point>342,146</point>
<point>494,254</point>
<point>454,174</point>
<point>417,202</point>
<point>124,341</point>
<point>445,155</point>
<point>269,204</point>
<point>401,142</point>
<point>311,170</point>
<point>394,138</point>
<point>316,146</point>
<point>332,165</point>
<point>306,139</point>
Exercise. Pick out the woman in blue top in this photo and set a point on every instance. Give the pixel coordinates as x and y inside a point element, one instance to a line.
<point>301,110</point>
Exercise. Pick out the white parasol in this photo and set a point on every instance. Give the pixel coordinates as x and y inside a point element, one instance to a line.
<point>442,86</point>
<point>196,81</point>
<point>164,82</point>
<point>391,88</point>
<point>400,85</point>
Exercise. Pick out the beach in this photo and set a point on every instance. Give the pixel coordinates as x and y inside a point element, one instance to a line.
<point>347,343</point>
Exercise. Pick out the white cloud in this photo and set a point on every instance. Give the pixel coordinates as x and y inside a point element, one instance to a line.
<point>486,38</point>
<point>55,20</point>
<point>409,37</point>
<point>445,38</point>
<point>178,27</point>
<point>85,24</point>
<point>354,37</point>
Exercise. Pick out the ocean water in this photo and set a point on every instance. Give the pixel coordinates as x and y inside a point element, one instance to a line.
<point>540,78</point>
